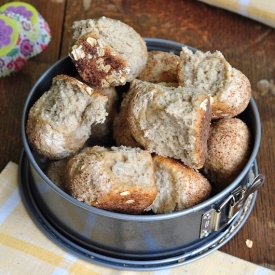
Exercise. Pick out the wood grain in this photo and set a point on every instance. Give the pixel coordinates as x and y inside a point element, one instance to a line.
<point>246,44</point>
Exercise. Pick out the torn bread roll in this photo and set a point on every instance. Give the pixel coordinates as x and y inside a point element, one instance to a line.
<point>119,179</point>
<point>121,128</point>
<point>179,186</point>
<point>107,52</point>
<point>228,151</point>
<point>169,121</point>
<point>161,67</point>
<point>229,88</point>
<point>60,121</point>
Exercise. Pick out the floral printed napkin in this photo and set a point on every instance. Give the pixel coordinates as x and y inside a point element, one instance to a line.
<point>23,34</point>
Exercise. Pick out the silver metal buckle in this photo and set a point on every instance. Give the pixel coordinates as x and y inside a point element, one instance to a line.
<point>216,218</point>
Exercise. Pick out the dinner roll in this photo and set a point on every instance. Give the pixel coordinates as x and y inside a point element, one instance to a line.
<point>107,52</point>
<point>121,128</point>
<point>169,121</point>
<point>228,150</point>
<point>179,187</point>
<point>60,121</point>
<point>119,179</point>
<point>161,67</point>
<point>229,88</point>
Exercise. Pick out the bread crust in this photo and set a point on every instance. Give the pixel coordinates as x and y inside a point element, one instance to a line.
<point>229,88</point>
<point>60,121</point>
<point>169,121</point>
<point>119,179</point>
<point>107,52</point>
<point>228,150</point>
<point>121,127</point>
<point>179,186</point>
<point>235,99</point>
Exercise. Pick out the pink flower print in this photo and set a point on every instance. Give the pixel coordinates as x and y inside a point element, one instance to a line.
<point>5,33</point>
<point>19,63</point>
<point>43,46</point>
<point>20,10</point>
<point>26,48</point>
<point>10,65</point>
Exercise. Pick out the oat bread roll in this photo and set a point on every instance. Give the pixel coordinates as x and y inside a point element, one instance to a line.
<point>119,179</point>
<point>121,128</point>
<point>228,150</point>
<point>60,121</point>
<point>161,67</point>
<point>179,187</point>
<point>229,88</point>
<point>107,52</point>
<point>169,121</point>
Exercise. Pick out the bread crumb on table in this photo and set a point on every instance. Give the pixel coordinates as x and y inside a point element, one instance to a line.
<point>264,86</point>
<point>249,243</point>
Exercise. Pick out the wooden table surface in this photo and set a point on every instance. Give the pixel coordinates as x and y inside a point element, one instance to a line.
<point>248,45</point>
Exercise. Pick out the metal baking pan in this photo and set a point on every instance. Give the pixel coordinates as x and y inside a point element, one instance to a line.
<point>139,240</point>
<point>190,254</point>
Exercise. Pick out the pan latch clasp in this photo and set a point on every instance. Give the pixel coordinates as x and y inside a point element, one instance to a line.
<point>217,218</point>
